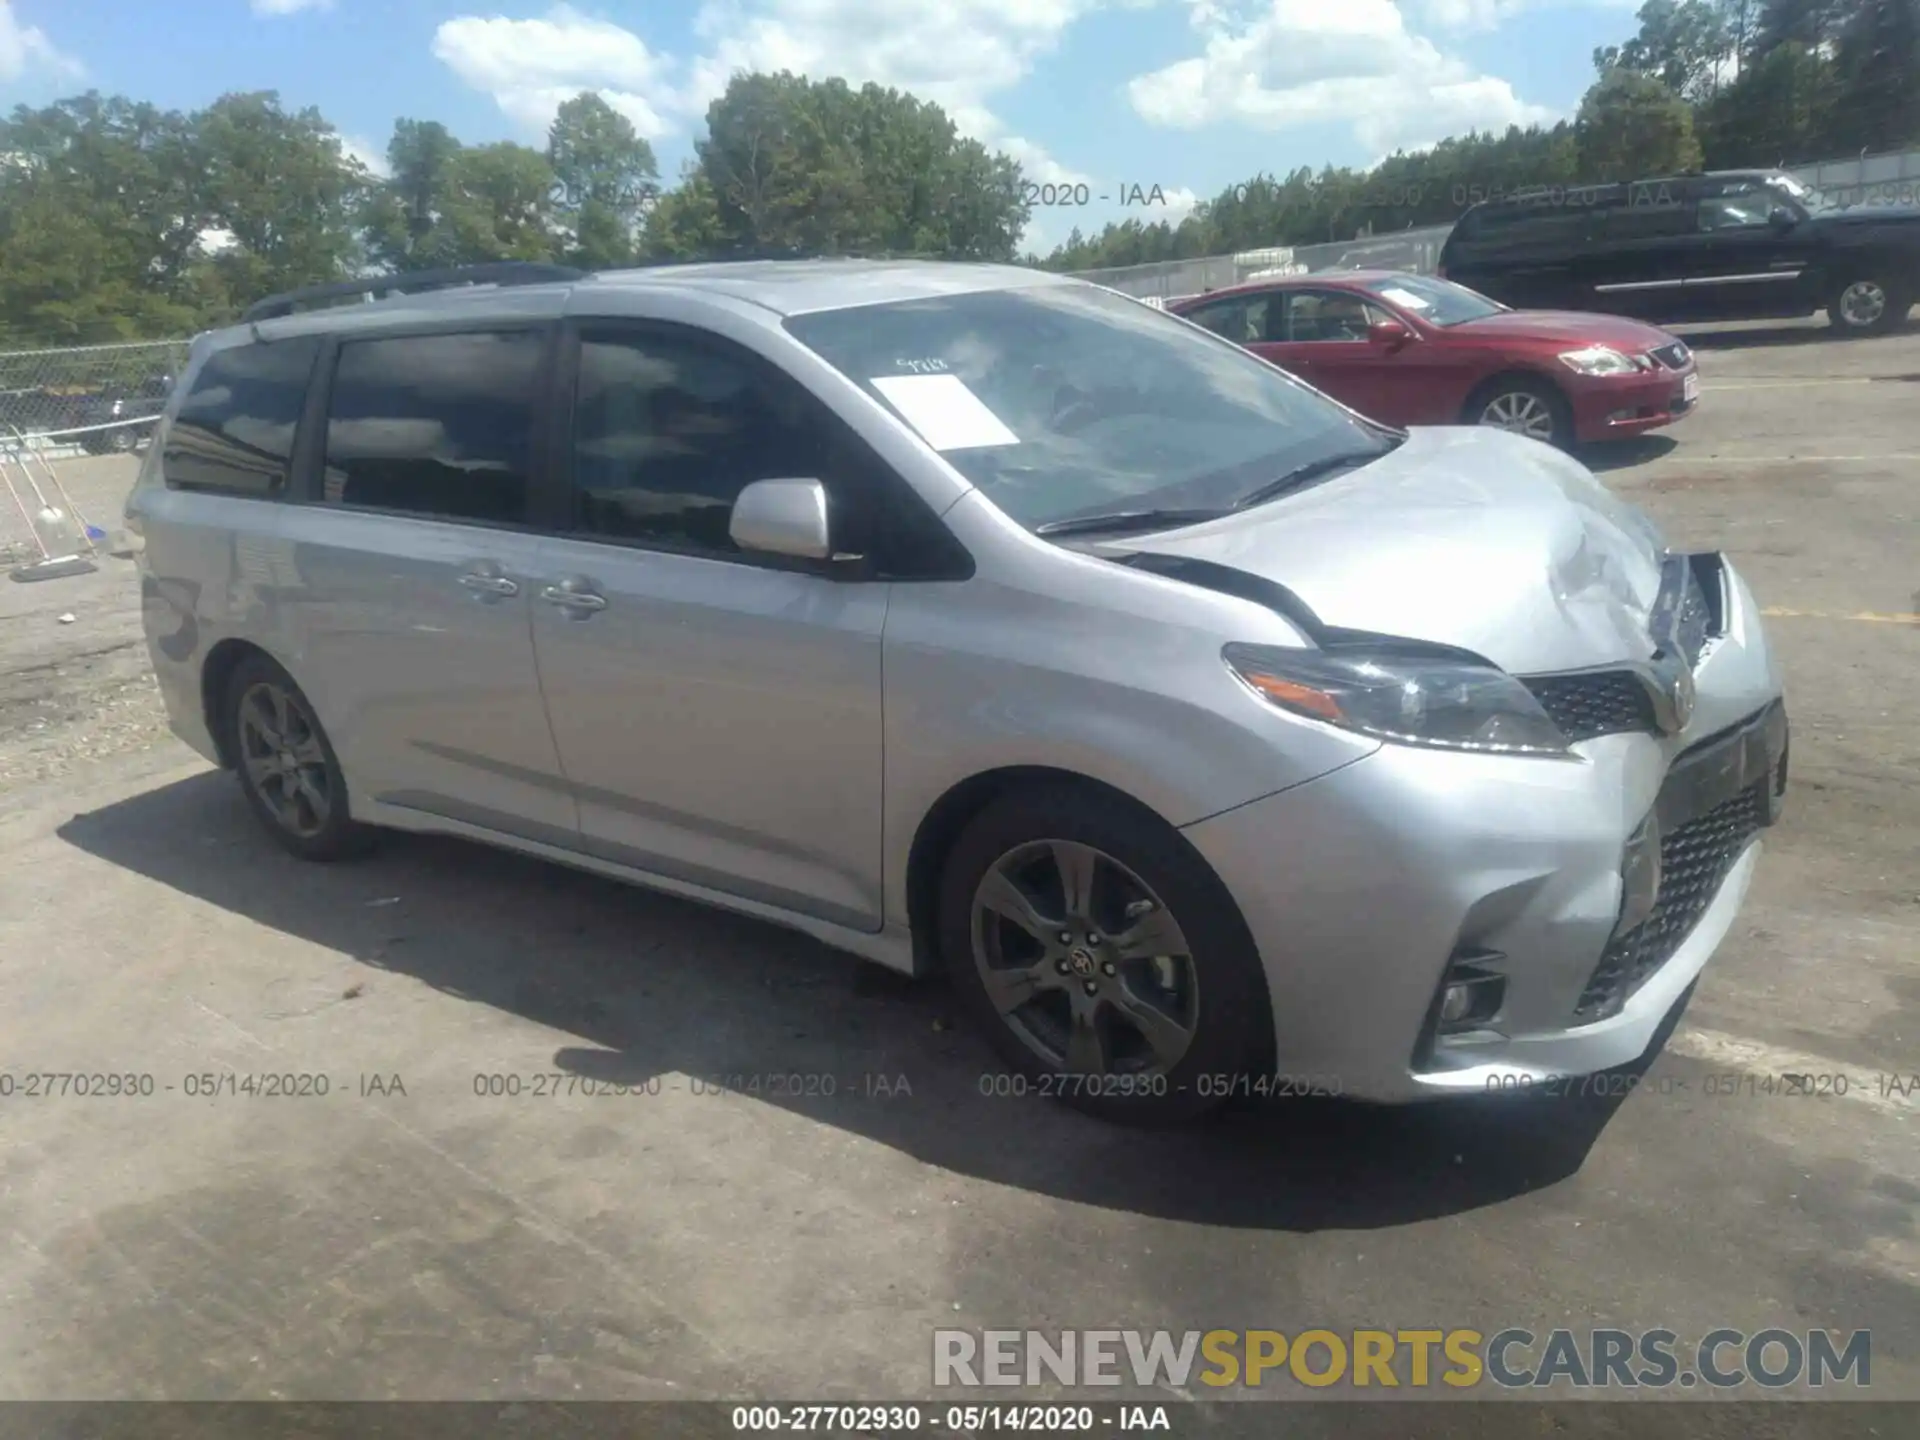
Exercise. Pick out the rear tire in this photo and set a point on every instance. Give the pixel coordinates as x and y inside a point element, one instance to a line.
<point>1522,405</point>
<point>287,768</point>
<point>1869,304</point>
<point>1128,986</point>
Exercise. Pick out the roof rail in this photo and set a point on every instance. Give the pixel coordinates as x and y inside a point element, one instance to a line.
<point>503,272</point>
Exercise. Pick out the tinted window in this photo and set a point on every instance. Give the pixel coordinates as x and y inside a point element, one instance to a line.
<point>1329,315</point>
<point>1242,320</point>
<point>1651,210</point>
<point>1736,205</point>
<point>234,432</point>
<point>667,433</point>
<point>1542,225</point>
<point>1062,400</point>
<point>437,425</point>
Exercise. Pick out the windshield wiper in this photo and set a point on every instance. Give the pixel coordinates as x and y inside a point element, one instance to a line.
<point>1118,520</point>
<point>1312,470</point>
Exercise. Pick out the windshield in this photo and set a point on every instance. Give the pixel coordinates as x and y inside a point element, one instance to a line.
<point>1437,302</point>
<point>1062,401</point>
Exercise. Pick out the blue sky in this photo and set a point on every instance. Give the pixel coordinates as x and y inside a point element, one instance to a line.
<point>1187,95</point>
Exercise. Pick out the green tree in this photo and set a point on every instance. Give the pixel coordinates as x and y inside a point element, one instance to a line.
<point>1806,23</point>
<point>795,165</point>
<point>605,179</point>
<point>685,223</point>
<point>1680,43</point>
<point>400,215</point>
<point>1630,126</point>
<point>1780,110</point>
<point>280,185</point>
<point>499,206</point>
<point>1877,66</point>
<point>102,206</point>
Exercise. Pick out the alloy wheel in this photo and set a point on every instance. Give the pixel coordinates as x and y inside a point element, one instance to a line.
<point>285,763</point>
<point>1083,961</point>
<point>1863,303</point>
<point>1520,412</point>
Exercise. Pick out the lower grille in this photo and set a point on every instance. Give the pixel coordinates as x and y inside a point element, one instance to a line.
<point>1600,702</point>
<point>1694,861</point>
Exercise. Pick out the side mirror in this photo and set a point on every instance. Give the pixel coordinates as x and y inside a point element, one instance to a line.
<point>783,517</point>
<point>1781,218</point>
<point>1390,333</point>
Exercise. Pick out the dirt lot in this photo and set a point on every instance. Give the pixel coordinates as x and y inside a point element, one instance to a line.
<point>417,1239</point>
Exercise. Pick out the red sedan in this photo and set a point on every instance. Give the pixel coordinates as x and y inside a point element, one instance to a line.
<point>1415,350</point>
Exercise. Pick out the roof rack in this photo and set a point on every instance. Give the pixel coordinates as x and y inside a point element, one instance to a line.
<point>504,272</point>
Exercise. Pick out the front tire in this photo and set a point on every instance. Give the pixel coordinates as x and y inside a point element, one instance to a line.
<point>1102,957</point>
<point>1869,304</point>
<point>287,768</point>
<point>1523,405</point>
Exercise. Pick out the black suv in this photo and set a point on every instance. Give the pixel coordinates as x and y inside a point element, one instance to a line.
<point>1730,245</point>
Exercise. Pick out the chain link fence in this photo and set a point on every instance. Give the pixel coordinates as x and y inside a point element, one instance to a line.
<point>64,415</point>
<point>98,399</point>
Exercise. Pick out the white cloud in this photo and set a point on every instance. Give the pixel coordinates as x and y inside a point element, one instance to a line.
<point>1295,63</point>
<point>956,53</point>
<point>1476,15</point>
<point>1179,204</point>
<point>289,7</point>
<point>26,52</point>
<point>372,156</point>
<point>531,66</point>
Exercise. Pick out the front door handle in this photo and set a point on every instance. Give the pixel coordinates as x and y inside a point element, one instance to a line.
<point>575,596</point>
<point>488,581</point>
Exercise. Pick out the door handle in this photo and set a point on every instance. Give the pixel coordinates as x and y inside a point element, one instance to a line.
<point>577,597</point>
<point>489,583</point>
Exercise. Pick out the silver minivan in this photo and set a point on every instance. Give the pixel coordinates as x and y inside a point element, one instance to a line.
<point>1212,739</point>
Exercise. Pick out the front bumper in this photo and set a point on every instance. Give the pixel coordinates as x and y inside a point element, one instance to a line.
<point>1365,887</point>
<point>1609,408</point>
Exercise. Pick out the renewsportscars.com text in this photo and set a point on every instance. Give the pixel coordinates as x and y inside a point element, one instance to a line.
<point>1559,1359</point>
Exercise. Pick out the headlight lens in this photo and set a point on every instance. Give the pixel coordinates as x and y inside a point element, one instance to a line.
<point>1599,360</point>
<point>1410,700</point>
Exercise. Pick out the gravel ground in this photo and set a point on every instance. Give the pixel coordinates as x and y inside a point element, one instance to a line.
<point>75,686</point>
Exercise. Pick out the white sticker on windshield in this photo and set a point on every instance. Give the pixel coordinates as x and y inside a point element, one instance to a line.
<point>947,414</point>
<point>1402,297</point>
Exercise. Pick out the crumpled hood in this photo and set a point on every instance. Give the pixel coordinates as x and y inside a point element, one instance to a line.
<point>1462,536</point>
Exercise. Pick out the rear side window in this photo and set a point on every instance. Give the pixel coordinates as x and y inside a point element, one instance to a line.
<point>234,431</point>
<point>439,426</point>
<point>1242,320</point>
<point>1531,225</point>
<point>1652,213</point>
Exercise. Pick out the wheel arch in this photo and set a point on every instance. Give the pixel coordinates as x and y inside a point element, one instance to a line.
<point>215,671</point>
<point>941,826</point>
<point>1506,375</point>
<point>947,818</point>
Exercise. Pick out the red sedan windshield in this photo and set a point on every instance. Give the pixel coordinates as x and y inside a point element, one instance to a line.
<point>1437,302</point>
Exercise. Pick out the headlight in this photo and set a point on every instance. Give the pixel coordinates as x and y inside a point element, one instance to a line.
<point>1599,360</point>
<point>1410,700</point>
